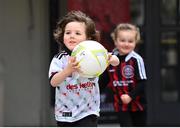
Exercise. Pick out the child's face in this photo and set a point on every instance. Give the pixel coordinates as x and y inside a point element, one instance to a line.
<point>75,32</point>
<point>126,41</point>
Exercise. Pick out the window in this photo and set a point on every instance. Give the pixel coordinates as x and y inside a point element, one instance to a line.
<point>170,44</point>
<point>169,67</point>
<point>168,12</point>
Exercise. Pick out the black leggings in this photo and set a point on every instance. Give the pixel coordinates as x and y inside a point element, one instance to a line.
<point>89,121</point>
<point>131,119</point>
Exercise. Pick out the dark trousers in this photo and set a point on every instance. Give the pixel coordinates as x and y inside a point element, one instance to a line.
<point>132,119</point>
<point>89,121</point>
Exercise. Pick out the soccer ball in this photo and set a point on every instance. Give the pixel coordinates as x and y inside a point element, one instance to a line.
<point>92,58</point>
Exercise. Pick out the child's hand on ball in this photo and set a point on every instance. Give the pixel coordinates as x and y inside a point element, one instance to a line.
<point>113,59</point>
<point>73,65</point>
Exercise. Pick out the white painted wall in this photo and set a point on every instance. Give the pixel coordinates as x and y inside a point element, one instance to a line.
<point>24,54</point>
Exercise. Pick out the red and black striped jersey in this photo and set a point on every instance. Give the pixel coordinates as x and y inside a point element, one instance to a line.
<point>128,78</point>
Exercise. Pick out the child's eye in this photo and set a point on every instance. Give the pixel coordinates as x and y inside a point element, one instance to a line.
<point>77,33</point>
<point>130,41</point>
<point>67,32</point>
<point>122,40</point>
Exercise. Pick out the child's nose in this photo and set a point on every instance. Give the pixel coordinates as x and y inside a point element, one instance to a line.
<point>126,43</point>
<point>72,35</point>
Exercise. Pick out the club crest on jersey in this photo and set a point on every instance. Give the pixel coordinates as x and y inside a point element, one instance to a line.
<point>128,71</point>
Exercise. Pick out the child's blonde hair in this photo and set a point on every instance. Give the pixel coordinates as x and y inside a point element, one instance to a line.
<point>125,26</point>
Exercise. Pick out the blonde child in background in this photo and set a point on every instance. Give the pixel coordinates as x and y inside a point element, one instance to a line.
<point>74,106</point>
<point>127,80</point>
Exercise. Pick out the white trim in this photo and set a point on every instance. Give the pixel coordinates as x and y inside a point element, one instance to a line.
<point>140,62</point>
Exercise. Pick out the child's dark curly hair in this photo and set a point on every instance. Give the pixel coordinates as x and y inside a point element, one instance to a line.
<point>78,16</point>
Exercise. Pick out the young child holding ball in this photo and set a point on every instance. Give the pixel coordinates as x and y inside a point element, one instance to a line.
<point>77,99</point>
<point>127,80</point>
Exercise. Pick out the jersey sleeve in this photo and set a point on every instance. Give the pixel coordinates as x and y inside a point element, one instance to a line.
<point>141,78</point>
<point>140,69</point>
<point>55,66</point>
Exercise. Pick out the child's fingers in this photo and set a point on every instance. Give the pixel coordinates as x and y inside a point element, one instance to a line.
<point>109,55</point>
<point>72,59</point>
<point>75,65</point>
